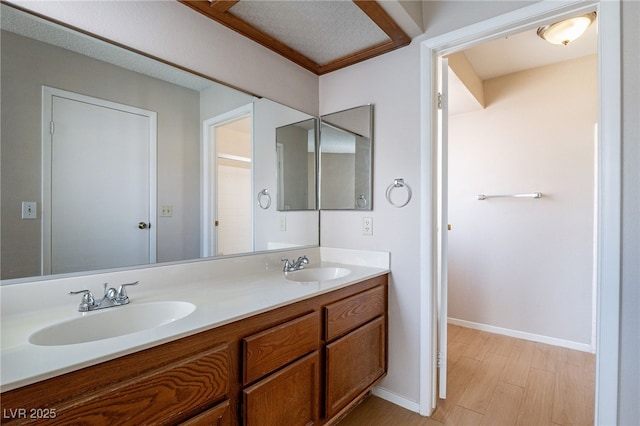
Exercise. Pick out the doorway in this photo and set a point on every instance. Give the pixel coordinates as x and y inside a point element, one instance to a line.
<point>228,183</point>
<point>608,253</point>
<point>520,201</point>
<point>98,168</point>
<point>521,192</point>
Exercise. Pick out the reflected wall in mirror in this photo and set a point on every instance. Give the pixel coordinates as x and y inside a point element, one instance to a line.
<point>296,153</point>
<point>346,158</point>
<point>36,55</point>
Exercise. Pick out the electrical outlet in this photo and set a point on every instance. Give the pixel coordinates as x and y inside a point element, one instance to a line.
<point>367,226</point>
<point>29,210</point>
<point>283,223</point>
<point>166,211</point>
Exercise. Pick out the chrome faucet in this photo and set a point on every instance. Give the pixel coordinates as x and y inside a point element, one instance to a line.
<point>112,297</point>
<point>295,266</point>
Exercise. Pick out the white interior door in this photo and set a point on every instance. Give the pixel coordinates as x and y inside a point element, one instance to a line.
<point>443,227</point>
<point>102,189</point>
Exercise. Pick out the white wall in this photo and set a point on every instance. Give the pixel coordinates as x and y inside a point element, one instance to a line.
<point>526,264</point>
<point>391,82</point>
<point>444,16</point>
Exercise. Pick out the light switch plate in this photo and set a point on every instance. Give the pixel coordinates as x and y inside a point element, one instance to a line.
<point>166,211</point>
<point>283,223</point>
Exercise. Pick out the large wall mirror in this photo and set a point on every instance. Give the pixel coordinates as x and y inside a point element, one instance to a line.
<point>346,158</point>
<point>112,159</point>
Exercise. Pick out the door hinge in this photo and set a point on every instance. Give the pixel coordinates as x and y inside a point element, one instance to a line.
<point>52,127</point>
<point>439,100</point>
<point>439,359</point>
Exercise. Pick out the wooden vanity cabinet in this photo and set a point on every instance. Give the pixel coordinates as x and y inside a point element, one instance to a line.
<point>305,363</point>
<point>356,349</point>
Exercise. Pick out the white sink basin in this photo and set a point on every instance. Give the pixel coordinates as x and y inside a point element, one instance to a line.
<point>111,322</point>
<point>317,274</point>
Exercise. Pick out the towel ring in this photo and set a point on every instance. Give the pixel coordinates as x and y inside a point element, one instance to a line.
<point>361,201</point>
<point>398,183</point>
<point>262,195</point>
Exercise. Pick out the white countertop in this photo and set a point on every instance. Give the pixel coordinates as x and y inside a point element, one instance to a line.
<point>222,292</point>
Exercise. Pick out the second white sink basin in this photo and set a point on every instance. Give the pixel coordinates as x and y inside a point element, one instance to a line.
<point>111,322</point>
<point>317,274</point>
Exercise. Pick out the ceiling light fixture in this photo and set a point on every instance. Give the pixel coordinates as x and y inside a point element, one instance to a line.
<point>564,32</point>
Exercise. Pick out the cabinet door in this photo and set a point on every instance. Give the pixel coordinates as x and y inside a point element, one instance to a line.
<point>287,397</point>
<point>216,416</point>
<point>354,362</point>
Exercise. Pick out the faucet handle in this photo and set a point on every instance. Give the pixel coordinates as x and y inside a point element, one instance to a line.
<point>109,293</point>
<point>287,265</point>
<point>87,299</point>
<point>121,296</point>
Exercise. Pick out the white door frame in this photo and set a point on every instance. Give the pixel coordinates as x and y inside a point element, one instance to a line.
<point>47,104</point>
<point>208,174</point>
<point>609,203</point>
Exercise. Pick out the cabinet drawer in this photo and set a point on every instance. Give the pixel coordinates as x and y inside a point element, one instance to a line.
<point>166,396</point>
<point>289,397</point>
<point>353,363</point>
<point>216,416</point>
<point>275,347</point>
<point>348,314</point>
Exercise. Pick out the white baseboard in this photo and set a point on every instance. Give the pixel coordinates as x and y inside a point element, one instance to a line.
<point>396,399</point>
<point>584,347</point>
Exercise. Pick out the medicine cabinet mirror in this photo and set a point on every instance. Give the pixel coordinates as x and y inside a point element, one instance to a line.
<point>192,127</point>
<point>346,157</point>
<point>296,152</point>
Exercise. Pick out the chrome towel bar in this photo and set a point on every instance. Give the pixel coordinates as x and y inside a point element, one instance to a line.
<point>531,195</point>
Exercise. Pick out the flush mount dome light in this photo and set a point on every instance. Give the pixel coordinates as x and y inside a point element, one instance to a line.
<point>564,32</point>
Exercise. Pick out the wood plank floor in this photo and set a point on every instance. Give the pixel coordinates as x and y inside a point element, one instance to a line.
<point>499,381</point>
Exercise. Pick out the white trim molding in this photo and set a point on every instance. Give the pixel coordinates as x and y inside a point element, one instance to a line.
<point>396,399</point>
<point>584,347</point>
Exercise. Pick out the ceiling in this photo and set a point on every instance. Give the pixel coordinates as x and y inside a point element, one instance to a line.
<point>511,54</point>
<point>524,51</point>
<point>321,36</point>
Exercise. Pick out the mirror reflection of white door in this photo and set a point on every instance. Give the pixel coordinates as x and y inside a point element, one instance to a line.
<point>228,183</point>
<point>99,184</point>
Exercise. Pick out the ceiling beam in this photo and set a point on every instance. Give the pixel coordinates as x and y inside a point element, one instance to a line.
<point>219,11</point>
